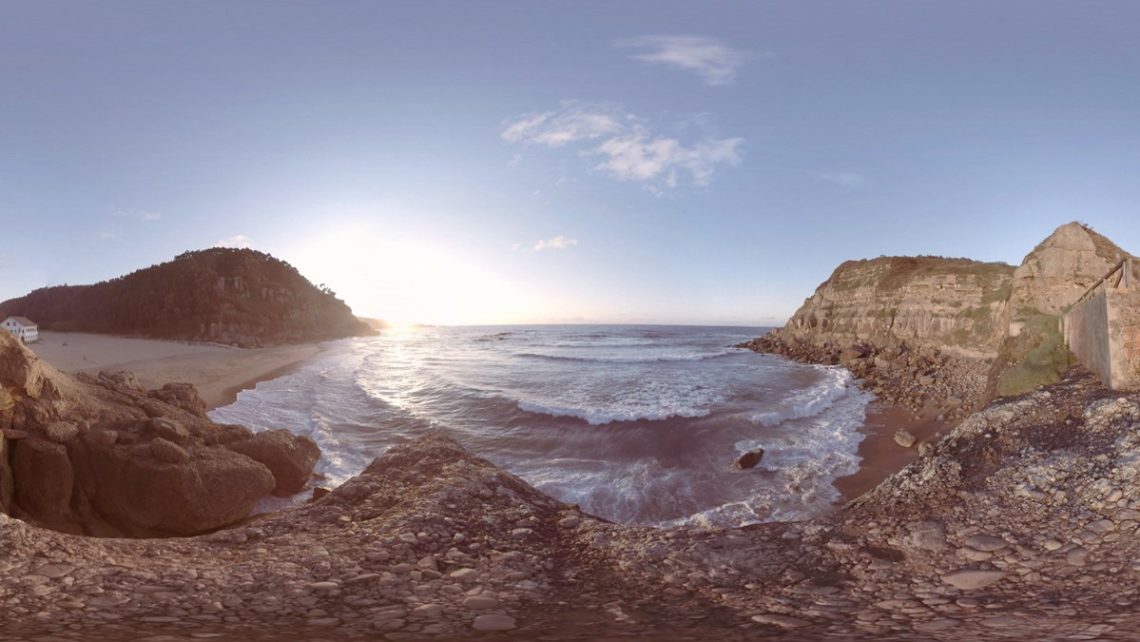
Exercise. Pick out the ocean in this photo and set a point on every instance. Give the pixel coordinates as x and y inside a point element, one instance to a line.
<point>635,424</point>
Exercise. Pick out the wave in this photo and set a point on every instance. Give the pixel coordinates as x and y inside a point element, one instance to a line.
<point>617,359</point>
<point>598,417</point>
<point>810,402</point>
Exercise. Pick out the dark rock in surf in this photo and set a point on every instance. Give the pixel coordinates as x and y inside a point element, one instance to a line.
<point>749,459</point>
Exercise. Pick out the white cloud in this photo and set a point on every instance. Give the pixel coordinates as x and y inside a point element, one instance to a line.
<point>574,123</point>
<point>638,156</point>
<point>237,241</point>
<point>630,149</point>
<point>848,180</point>
<point>712,60</point>
<point>556,243</point>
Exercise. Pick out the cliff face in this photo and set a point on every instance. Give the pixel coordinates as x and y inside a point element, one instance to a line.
<point>234,296</point>
<point>1058,271</point>
<point>888,318</point>
<point>953,303</point>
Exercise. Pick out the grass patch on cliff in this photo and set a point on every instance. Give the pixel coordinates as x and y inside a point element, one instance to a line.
<point>1036,357</point>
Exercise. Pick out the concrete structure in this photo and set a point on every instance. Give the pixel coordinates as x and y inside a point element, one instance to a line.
<point>1103,328</point>
<point>23,328</point>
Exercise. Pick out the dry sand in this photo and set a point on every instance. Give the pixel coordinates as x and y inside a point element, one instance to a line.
<point>219,372</point>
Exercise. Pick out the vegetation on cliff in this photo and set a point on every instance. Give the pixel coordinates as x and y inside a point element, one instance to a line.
<point>234,296</point>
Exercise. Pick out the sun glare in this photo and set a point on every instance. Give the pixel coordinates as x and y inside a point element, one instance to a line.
<point>407,282</point>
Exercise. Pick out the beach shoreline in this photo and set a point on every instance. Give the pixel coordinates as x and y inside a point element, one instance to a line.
<point>219,372</point>
<point>880,456</point>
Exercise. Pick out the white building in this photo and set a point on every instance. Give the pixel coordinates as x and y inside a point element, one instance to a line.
<point>22,328</point>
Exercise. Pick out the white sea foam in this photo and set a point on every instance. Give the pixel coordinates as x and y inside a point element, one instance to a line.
<point>641,357</point>
<point>718,402</point>
<point>599,417</point>
<point>809,402</point>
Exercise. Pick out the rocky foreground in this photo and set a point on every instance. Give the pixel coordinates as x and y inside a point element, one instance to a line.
<point>1020,524</point>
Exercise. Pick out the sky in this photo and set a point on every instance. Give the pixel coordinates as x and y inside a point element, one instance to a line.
<point>520,162</point>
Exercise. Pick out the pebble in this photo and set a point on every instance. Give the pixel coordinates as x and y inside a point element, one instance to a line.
<point>493,622</point>
<point>782,621</point>
<point>480,602</point>
<point>968,580</point>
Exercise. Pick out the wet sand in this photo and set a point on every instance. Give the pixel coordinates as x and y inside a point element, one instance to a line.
<point>882,457</point>
<point>219,372</point>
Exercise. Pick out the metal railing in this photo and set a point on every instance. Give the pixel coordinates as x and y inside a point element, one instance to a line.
<point>1124,277</point>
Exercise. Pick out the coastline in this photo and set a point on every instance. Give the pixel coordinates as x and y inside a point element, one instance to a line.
<point>880,456</point>
<point>218,372</point>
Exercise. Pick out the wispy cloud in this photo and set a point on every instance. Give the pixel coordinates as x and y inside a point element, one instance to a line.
<point>712,60</point>
<point>145,216</point>
<point>640,156</point>
<point>555,243</point>
<point>237,241</point>
<point>629,149</point>
<point>120,216</point>
<point>846,179</point>
<point>575,122</point>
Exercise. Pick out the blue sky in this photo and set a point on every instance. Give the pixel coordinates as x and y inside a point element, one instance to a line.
<point>461,162</point>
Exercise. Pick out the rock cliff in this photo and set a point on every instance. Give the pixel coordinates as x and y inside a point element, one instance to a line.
<point>946,303</point>
<point>949,334</point>
<point>233,296</point>
<point>103,456</point>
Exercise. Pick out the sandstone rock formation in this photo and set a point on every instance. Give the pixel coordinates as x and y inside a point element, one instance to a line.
<point>1059,270</point>
<point>919,300</point>
<point>987,329</point>
<point>233,296</point>
<point>102,456</point>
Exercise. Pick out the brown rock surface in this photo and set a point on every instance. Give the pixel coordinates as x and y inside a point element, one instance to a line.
<point>289,457</point>
<point>101,455</point>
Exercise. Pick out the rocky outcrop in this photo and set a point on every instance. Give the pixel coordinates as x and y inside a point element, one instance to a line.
<point>289,457</point>
<point>933,301</point>
<point>1058,271</point>
<point>103,456</point>
<point>947,335</point>
<point>233,296</point>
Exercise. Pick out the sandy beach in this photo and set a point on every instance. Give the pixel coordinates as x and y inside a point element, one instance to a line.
<point>882,457</point>
<point>219,372</point>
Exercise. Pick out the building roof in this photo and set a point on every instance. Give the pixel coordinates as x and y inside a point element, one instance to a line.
<point>24,321</point>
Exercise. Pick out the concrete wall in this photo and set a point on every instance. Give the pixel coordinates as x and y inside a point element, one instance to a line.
<point>1103,331</point>
<point>1086,333</point>
<point>1124,337</point>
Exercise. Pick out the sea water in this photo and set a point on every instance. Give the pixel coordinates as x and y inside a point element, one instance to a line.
<point>633,423</point>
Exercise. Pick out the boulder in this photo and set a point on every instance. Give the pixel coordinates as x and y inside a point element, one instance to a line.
<point>181,395</point>
<point>168,429</point>
<point>749,459</point>
<point>44,478</point>
<point>289,457</point>
<point>139,490</point>
<point>904,438</point>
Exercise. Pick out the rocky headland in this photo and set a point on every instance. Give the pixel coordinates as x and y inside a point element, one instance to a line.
<point>1020,523</point>
<point>940,336</point>
<point>236,297</point>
